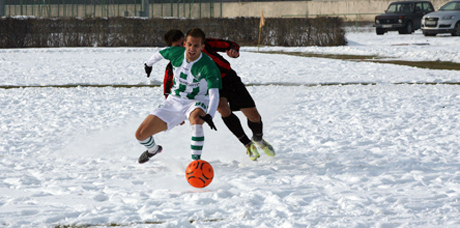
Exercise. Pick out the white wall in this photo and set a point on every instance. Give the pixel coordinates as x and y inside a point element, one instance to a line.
<point>351,10</point>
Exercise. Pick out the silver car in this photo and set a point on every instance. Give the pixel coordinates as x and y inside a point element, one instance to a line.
<point>445,20</point>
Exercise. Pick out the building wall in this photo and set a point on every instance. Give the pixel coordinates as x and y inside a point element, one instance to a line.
<point>350,10</point>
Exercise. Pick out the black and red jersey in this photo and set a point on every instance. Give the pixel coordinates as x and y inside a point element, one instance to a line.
<point>212,46</point>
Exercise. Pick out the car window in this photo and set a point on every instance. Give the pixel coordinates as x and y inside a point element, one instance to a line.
<point>418,7</point>
<point>427,7</point>
<point>392,8</point>
<point>400,8</point>
<point>450,6</point>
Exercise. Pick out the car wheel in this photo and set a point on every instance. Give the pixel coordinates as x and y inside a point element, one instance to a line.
<point>379,31</point>
<point>408,29</point>
<point>457,29</point>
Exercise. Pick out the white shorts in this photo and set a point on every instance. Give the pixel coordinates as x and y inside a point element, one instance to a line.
<point>175,110</point>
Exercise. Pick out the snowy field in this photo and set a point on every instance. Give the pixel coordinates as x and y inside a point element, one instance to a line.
<point>381,155</point>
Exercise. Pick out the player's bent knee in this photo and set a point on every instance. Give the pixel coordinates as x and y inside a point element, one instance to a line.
<point>151,126</point>
<point>224,110</point>
<point>143,132</point>
<point>196,120</point>
<point>139,135</point>
<point>194,117</point>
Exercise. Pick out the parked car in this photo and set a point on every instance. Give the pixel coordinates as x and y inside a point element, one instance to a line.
<point>403,16</point>
<point>445,20</point>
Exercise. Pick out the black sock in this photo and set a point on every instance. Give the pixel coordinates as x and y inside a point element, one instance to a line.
<point>234,125</point>
<point>256,128</point>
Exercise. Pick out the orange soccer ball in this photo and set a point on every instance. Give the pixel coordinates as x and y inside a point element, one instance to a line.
<point>199,173</point>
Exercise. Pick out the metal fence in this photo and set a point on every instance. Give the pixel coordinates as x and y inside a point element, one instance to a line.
<point>112,8</point>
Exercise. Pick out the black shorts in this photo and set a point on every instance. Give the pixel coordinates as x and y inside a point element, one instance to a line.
<point>236,93</point>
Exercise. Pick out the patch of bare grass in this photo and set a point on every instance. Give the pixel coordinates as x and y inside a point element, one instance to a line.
<point>434,65</point>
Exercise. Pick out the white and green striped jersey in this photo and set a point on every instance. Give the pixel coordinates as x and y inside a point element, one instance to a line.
<point>191,79</point>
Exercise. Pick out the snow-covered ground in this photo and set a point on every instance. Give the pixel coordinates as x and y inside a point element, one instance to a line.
<point>414,47</point>
<point>384,155</point>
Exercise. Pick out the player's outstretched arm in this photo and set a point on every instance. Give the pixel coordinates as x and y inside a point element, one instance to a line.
<point>213,103</point>
<point>221,45</point>
<point>154,59</point>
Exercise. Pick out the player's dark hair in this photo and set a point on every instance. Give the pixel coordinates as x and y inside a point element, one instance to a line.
<point>197,33</point>
<point>172,36</point>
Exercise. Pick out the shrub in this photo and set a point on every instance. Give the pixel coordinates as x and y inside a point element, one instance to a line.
<point>119,31</point>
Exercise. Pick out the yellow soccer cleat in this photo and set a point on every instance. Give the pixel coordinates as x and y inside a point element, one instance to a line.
<point>266,147</point>
<point>251,150</point>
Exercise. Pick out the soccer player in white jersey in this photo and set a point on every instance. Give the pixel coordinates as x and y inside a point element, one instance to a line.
<point>233,96</point>
<point>194,96</point>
